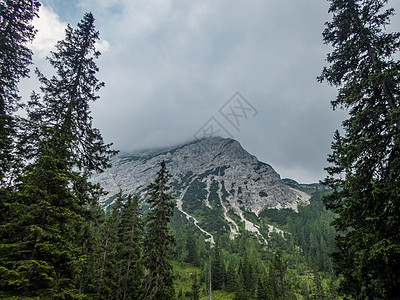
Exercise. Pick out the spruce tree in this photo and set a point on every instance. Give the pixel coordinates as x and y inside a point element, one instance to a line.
<point>64,106</point>
<point>365,162</point>
<point>39,257</point>
<point>218,272</point>
<point>15,57</point>
<point>158,246</point>
<point>90,243</point>
<point>130,258</point>
<point>249,271</point>
<point>232,276</point>
<point>241,293</point>
<point>100,229</point>
<point>262,290</point>
<point>43,255</point>
<point>192,248</point>
<point>195,292</point>
<point>317,289</point>
<point>106,283</point>
<point>277,277</point>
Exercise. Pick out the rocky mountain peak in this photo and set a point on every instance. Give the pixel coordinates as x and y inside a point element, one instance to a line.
<point>213,178</point>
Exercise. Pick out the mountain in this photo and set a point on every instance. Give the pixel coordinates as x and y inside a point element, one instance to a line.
<point>302,186</point>
<point>218,185</point>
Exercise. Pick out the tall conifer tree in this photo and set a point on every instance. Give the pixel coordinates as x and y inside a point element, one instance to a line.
<point>195,292</point>
<point>159,241</point>
<point>64,108</point>
<point>38,256</point>
<point>218,272</point>
<point>42,256</point>
<point>130,258</point>
<point>106,271</point>
<point>192,248</point>
<point>277,272</point>
<point>15,57</point>
<point>365,162</point>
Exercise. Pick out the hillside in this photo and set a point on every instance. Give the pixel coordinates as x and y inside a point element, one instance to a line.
<point>217,184</point>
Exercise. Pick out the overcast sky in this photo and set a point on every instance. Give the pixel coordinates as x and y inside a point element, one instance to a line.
<point>171,68</point>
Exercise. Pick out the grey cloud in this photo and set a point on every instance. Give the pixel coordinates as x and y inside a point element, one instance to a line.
<point>172,64</point>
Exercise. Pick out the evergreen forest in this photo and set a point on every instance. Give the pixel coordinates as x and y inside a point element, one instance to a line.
<point>57,242</point>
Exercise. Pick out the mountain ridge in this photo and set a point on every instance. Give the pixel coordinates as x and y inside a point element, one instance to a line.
<point>215,182</point>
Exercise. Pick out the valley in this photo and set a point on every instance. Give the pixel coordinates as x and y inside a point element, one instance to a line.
<point>226,199</point>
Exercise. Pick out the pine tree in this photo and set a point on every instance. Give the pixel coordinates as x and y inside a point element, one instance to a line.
<point>195,292</point>
<point>192,249</point>
<point>317,290</point>
<point>89,241</point>
<point>15,57</point>
<point>66,96</point>
<point>365,162</point>
<point>277,277</point>
<point>262,290</point>
<point>159,241</point>
<point>249,273</point>
<point>241,293</point>
<point>106,283</point>
<point>231,277</point>
<point>38,257</point>
<point>218,272</point>
<point>43,256</point>
<point>130,251</point>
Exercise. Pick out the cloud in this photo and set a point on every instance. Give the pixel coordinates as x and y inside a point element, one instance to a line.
<point>174,64</point>
<point>102,46</point>
<point>169,65</point>
<point>50,31</point>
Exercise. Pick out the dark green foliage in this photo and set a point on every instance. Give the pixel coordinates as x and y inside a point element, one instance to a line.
<point>44,233</point>
<point>365,163</point>
<point>213,220</point>
<point>192,249</point>
<point>16,32</point>
<point>241,293</point>
<point>105,282</point>
<point>278,216</point>
<point>90,244</point>
<point>317,290</point>
<point>249,271</point>
<point>218,272</point>
<point>232,276</point>
<point>114,268</point>
<point>66,97</point>
<point>130,259</point>
<point>246,259</point>
<point>193,202</point>
<point>263,194</point>
<point>39,257</point>
<point>262,290</point>
<point>311,230</point>
<point>277,278</point>
<point>159,240</point>
<point>195,293</point>
<point>194,196</point>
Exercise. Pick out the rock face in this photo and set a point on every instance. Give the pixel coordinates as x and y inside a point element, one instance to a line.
<point>241,177</point>
<point>214,180</point>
